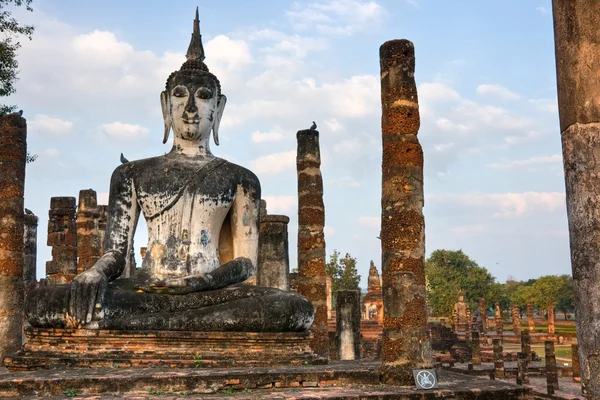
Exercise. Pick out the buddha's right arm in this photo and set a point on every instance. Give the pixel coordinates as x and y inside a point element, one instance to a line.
<point>87,289</point>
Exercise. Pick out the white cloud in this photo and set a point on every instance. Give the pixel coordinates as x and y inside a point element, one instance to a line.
<point>102,198</point>
<point>503,205</point>
<point>496,91</point>
<point>541,10</point>
<point>275,163</point>
<point>328,230</point>
<point>348,147</point>
<point>548,105</point>
<point>122,131</point>
<point>281,204</point>
<point>259,137</point>
<point>413,2</point>
<point>530,162</point>
<point>44,125</point>
<point>336,17</point>
<point>334,125</point>
<point>437,92</point>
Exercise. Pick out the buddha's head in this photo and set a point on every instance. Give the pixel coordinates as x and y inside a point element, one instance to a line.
<point>192,103</point>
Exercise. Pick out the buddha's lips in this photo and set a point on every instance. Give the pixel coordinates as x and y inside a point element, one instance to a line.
<point>191,121</point>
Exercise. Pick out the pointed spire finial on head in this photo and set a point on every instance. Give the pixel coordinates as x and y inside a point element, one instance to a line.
<point>195,50</point>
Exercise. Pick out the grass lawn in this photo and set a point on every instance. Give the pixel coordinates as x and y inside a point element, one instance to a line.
<point>559,351</point>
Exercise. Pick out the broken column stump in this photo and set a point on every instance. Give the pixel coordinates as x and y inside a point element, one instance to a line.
<point>498,359</point>
<point>522,364</point>
<point>577,50</point>
<point>30,250</point>
<point>62,237</point>
<point>311,238</point>
<point>526,344</point>
<point>88,235</point>
<point>273,252</point>
<point>405,343</point>
<point>347,315</point>
<point>13,152</point>
<point>530,318</point>
<point>498,320</point>
<point>550,318</point>
<point>476,348</point>
<point>551,370</point>
<point>516,321</point>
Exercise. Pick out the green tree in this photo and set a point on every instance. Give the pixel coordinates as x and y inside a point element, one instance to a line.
<point>566,297</point>
<point>343,273</point>
<point>447,272</point>
<point>9,45</point>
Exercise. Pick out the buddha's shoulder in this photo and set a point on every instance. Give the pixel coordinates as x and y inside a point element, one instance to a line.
<point>241,173</point>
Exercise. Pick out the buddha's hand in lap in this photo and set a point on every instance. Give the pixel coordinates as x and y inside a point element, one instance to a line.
<point>87,295</point>
<point>185,285</point>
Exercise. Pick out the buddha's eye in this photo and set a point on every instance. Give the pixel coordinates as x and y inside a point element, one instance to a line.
<point>179,92</point>
<point>204,93</point>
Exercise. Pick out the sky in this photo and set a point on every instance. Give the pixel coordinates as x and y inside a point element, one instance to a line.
<point>494,187</point>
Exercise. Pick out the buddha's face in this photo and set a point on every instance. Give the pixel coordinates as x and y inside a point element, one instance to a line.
<point>193,103</point>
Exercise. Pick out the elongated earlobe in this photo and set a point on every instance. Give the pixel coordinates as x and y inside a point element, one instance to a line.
<point>166,110</point>
<point>220,108</point>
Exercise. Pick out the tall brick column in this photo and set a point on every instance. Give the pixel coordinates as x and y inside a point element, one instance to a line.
<point>516,321</point>
<point>62,236</point>
<point>499,320</point>
<point>89,248</point>
<point>577,49</point>
<point>483,312</point>
<point>311,239</point>
<point>550,317</point>
<point>405,341</point>
<point>530,318</point>
<point>13,151</point>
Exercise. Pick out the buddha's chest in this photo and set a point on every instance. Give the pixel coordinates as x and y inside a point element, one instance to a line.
<point>179,192</point>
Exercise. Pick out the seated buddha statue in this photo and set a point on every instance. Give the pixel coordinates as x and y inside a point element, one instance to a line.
<point>202,214</point>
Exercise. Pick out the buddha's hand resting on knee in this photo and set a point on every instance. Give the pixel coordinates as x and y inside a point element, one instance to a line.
<point>87,295</point>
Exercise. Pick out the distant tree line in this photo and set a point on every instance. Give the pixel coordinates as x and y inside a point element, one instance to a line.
<point>447,272</point>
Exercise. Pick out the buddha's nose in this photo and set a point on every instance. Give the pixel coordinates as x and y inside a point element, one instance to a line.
<point>190,107</point>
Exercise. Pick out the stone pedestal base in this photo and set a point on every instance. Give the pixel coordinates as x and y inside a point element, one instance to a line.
<point>51,348</point>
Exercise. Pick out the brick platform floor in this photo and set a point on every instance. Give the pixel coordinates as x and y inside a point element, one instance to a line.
<point>338,380</point>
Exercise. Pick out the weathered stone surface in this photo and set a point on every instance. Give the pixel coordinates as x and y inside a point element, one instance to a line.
<point>311,280</point>
<point>526,344</point>
<point>13,151</point>
<point>550,318</point>
<point>522,363</point>
<point>551,371</point>
<point>62,236</point>
<point>30,249</point>
<point>348,338</point>
<point>530,318</point>
<point>461,315</point>
<point>273,267</point>
<point>373,300</point>
<point>476,346</point>
<point>89,248</point>
<point>577,45</point>
<point>575,362</point>
<point>483,311</point>
<point>339,381</point>
<point>498,359</point>
<point>405,343</point>
<point>499,321</point>
<point>516,320</point>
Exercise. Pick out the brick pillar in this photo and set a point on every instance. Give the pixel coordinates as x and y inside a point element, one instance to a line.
<point>550,318</point>
<point>516,321</point>
<point>311,239</point>
<point>499,321</point>
<point>103,209</point>
<point>577,50</point>
<point>62,236</point>
<point>347,315</point>
<point>88,236</point>
<point>530,318</point>
<point>522,363</point>
<point>406,344</point>
<point>476,348</point>
<point>329,297</point>
<point>575,363</point>
<point>143,251</point>
<point>30,250</point>
<point>483,312</point>
<point>13,151</point>
<point>551,371</point>
<point>526,344</point>
<point>498,359</point>
<point>273,252</point>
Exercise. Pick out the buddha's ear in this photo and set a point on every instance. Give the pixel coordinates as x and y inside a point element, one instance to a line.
<point>166,110</point>
<point>220,108</point>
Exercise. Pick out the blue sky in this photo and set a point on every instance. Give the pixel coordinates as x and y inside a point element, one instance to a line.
<point>90,81</point>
